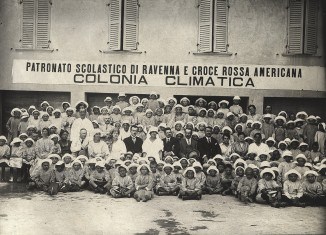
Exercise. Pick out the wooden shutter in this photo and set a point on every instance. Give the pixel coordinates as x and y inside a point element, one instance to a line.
<point>311,20</point>
<point>28,24</point>
<point>295,26</point>
<point>205,31</point>
<point>115,25</point>
<point>130,25</point>
<point>220,25</point>
<point>43,24</point>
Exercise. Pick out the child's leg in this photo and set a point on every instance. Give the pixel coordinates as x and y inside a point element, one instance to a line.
<point>147,195</point>
<point>53,188</point>
<point>14,174</point>
<point>3,171</point>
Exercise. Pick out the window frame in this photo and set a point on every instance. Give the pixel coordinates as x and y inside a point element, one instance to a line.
<point>304,31</point>
<point>214,23</point>
<point>122,32</point>
<point>21,20</point>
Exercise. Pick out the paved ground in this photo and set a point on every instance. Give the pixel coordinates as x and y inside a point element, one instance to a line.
<point>81,213</point>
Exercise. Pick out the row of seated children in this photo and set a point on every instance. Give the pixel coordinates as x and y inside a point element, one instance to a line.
<point>142,177</point>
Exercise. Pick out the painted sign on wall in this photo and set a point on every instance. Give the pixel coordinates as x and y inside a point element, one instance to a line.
<point>170,75</point>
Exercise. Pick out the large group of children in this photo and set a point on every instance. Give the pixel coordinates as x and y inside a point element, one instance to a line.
<point>39,150</point>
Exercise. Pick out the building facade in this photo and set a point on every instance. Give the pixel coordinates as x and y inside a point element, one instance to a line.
<point>268,52</point>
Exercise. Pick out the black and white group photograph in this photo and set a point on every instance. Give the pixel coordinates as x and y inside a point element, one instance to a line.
<point>162,117</point>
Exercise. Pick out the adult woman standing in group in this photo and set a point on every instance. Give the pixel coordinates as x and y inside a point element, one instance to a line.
<point>153,146</point>
<point>117,146</point>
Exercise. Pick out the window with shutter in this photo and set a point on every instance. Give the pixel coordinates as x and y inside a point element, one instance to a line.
<point>213,26</point>
<point>35,32</point>
<point>302,27</point>
<point>220,25</point>
<point>123,25</point>
<point>310,36</point>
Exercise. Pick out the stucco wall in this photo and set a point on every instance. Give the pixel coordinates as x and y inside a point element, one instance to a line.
<point>167,33</point>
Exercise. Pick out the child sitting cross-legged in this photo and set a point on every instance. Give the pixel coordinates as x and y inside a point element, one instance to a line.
<point>168,182</point>
<point>247,186</point>
<point>312,190</point>
<point>122,185</point>
<point>144,184</point>
<point>74,180</point>
<point>268,190</point>
<point>190,187</point>
<point>292,189</point>
<point>57,181</point>
<point>213,181</point>
<point>100,180</point>
<point>42,178</point>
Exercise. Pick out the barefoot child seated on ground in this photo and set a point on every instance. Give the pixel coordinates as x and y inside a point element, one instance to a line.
<point>247,186</point>
<point>292,189</point>
<point>190,187</point>
<point>42,178</point>
<point>312,190</point>
<point>268,190</point>
<point>74,181</point>
<point>100,180</point>
<point>168,182</point>
<point>143,184</point>
<point>213,181</point>
<point>122,185</point>
<point>57,181</point>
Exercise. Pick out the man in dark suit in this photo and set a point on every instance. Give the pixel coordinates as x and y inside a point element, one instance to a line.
<point>187,144</point>
<point>171,144</point>
<point>133,143</point>
<point>208,146</point>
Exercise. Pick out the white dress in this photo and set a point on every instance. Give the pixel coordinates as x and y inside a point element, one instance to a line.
<point>152,148</point>
<point>118,148</point>
<point>100,148</point>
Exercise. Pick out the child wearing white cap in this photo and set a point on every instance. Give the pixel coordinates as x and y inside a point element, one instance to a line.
<point>4,156</point>
<point>268,190</point>
<point>74,180</point>
<point>22,127</point>
<point>300,164</point>
<point>223,107</point>
<point>190,187</point>
<point>168,182</point>
<point>312,190</point>
<point>286,165</point>
<point>247,186</point>
<point>122,101</point>
<point>292,189</point>
<point>68,119</point>
<point>235,107</point>
<point>57,181</point>
<point>13,123</point>
<point>213,181</point>
<point>153,103</point>
<point>310,130</point>
<point>100,180</point>
<point>29,156</point>
<point>34,119</point>
<point>290,131</point>
<point>267,127</point>
<point>148,118</point>
<point>42,178</point>
<point>144,184</point>
<point>122,184</point>
<point>16,158</point>
<point>320,137</point>
<point>279,128</point>
<point>127,115</point>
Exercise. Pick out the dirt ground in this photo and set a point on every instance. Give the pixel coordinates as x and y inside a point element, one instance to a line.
<point>23,212</point>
